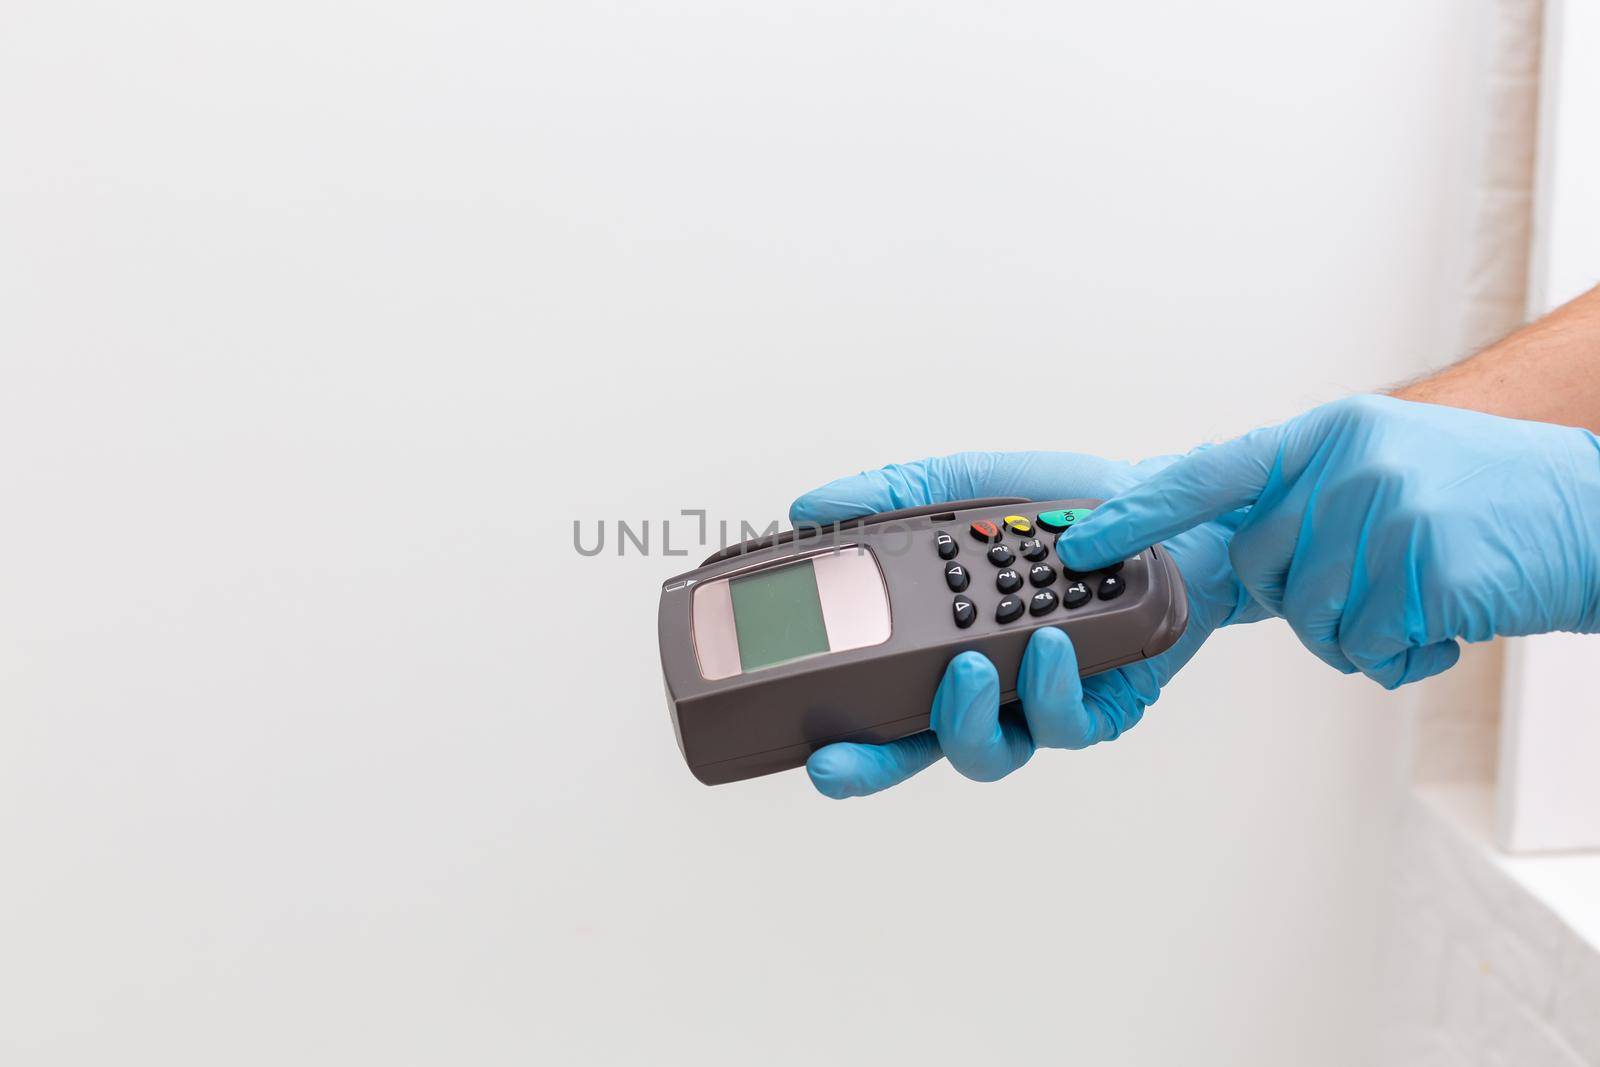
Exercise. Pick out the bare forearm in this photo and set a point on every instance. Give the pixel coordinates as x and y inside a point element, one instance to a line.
<point>1548,371</point>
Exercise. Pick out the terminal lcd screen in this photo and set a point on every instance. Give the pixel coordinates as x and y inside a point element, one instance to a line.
<point>777,616</point>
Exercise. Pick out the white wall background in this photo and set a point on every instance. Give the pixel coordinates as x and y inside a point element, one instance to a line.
<point>322,322</point>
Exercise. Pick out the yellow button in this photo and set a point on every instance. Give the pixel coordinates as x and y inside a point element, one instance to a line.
<point>1018,524</point>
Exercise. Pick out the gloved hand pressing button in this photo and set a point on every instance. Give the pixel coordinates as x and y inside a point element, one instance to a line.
<point>1385,530</point>
<point>1058,709</point>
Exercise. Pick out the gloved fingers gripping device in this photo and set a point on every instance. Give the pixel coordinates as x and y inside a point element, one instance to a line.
<point>778,646</point>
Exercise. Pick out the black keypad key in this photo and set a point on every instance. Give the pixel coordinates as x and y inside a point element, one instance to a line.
<point>955,576</point>
<point>1041,574</point>
<point>1009,609</point>
<point>1042,603</point>
<point>1008,581</point>
<point>964,610</point>
<point>1070,574</point>
<point>946,545</point>
<point>1075,576</point>
<point>1033,549</point>
<point>1111,587</point>
<point>1110,568</point>
<point>1076,595</point>
<point>1001,556</point>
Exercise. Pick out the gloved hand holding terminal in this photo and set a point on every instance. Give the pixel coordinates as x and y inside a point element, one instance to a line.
<point>1058,710</point>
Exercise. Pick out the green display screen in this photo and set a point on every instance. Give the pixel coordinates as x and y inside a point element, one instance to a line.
<point>777,616</point>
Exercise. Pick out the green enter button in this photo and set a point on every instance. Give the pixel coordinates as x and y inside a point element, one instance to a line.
<point>1056,521</point>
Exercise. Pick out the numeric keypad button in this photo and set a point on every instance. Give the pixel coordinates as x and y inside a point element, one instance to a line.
<point>1009,609</point>
<point>1001,556</point>
<point>1042,603</point>
<point>1076,594</point>
<point>1033,549</point>
<point>1111,587</point>
<point>1074,576</point>
<point>1041,574</point>
<point>1008,581</point>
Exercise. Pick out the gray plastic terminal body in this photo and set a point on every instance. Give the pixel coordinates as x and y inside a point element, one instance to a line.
<point>773,718</point>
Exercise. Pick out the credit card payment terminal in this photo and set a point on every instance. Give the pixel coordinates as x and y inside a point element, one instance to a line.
<point>780,645</point>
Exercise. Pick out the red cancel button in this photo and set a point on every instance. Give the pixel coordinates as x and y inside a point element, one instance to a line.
<point>985,531</point>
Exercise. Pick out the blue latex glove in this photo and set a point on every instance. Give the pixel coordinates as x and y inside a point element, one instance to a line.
<point>1384,530</point>
<point>1058,711</point>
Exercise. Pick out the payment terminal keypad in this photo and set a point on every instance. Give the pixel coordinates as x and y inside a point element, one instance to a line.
<point>1008,536</point>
